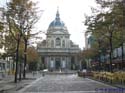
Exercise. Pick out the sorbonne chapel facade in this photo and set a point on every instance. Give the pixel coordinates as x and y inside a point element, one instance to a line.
<point>57,51</point>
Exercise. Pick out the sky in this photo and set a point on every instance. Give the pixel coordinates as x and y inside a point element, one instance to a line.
<point>71,13</point>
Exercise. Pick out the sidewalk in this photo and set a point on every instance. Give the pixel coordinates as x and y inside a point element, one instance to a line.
<point>7,84</point>
<point>118,85</point>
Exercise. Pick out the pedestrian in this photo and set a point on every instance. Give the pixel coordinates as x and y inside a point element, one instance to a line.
<point>33,73</point>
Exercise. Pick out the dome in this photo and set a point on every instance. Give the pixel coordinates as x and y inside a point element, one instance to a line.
<point>57,22</point>
<point>57,25</point>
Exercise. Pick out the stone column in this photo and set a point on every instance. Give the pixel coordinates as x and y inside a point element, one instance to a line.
<point>63,63</point>
<point>61,60</point>
<point>54,63</point>
<point>76,63</point>
<point>47,62</point>
<point>66,62</point>
<point>69,63</point>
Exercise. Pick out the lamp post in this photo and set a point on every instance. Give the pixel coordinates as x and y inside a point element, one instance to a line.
<point>100,60</point>
<point>110,36</point>
<point>99,46</point>
<point>111,30</point>
<point>110,57</point>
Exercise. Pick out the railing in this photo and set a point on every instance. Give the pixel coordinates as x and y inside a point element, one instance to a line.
<point>116,77</point>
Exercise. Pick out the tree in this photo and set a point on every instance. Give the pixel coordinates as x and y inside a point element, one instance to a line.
<point>107,24</point>
<point>1,29</point>
<point>89,55</point>
<point>22,15</point>
<point>32,58</point>
<point>1,34</point>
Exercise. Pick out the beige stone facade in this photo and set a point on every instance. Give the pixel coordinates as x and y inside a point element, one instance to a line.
<point>57,51</point>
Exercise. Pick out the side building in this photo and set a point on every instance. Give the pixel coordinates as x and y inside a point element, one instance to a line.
<point>57,51</point>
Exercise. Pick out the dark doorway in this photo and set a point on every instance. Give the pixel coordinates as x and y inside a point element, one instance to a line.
<point>42,65</point>
<point>58,63</point>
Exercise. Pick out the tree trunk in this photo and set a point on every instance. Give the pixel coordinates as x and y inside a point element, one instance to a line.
<point>13,62</point>
<point>20,71</point>
<point>25,59</point>
<point>17,59</point>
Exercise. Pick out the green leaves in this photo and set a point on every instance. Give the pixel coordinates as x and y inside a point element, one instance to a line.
<point>107,24</point>
<point>19,19</point>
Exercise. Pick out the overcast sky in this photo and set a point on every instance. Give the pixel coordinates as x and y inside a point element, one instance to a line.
<point>71,13</point>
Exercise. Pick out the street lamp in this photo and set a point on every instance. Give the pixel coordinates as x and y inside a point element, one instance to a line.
<point>110,58</point>
<point>99,46</point>
<point>100,60</point>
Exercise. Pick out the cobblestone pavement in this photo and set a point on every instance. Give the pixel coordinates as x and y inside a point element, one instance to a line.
<point>7,84</point>
<point>68,84</point>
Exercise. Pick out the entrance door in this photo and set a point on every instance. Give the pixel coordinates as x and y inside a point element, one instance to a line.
<point>57,63</point>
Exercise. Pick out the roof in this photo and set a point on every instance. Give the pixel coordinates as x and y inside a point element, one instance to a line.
<point>57,23</point>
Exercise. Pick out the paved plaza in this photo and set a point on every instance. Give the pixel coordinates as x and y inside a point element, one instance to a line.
<point>68,84</point>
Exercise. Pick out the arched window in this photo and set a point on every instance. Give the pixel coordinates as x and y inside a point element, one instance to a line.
<point>63,43</point>
<point>52,43</point>
<point>58,42</point>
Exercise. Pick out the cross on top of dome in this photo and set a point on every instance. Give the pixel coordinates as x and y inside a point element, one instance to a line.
<point>57,15</point>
